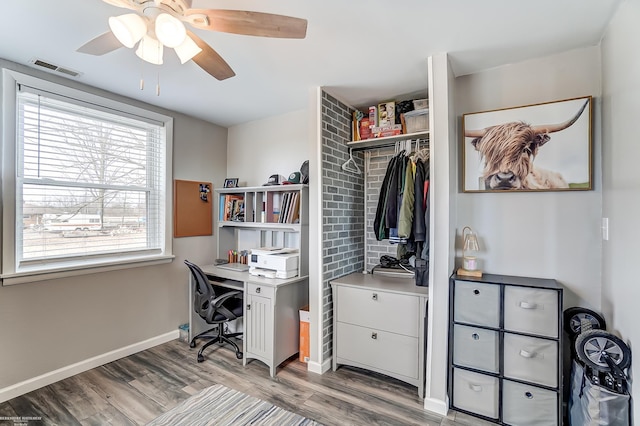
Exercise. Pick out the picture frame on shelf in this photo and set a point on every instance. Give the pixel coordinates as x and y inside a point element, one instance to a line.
<point>539,147</point>
<point>231,183</point>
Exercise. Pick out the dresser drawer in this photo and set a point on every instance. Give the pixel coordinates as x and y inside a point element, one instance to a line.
<point>531,359</point>
<point>531,310</point>
<point>380,310</point>
<point>475,347</point>
<point>378,349</point>
<point>475,392</point>
<point>260,290</point>
<point>526,405</point>
<point>477,303</point>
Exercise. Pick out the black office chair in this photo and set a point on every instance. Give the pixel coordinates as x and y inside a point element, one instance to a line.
<point>215,309</point>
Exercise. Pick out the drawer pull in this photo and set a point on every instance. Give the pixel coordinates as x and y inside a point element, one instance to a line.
<point>527,305</point>
<point>258,290</point>
<point>527,354</point>
<point>475,388</point>
<point>476,291</point>
<point>374,296</point>
<point>374,336</point>
<point>475,336</point>
<point>529,395</point>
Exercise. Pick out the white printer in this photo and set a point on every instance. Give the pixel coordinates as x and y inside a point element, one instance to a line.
<point>274,262</point>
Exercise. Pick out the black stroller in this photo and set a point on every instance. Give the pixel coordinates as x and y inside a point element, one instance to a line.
<point>599,394</point>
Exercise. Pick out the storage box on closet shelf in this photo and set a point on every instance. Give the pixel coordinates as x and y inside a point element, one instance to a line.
<point>417,120</point>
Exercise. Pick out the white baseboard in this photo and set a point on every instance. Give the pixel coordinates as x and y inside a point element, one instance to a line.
<point>436,406</point>
<point>34,383</point>
<point>317,368</point>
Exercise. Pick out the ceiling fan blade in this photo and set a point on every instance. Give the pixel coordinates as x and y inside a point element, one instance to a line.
<point>248,23</point>
<point>120,3</point>
<point>210,61</point>
<point>100,45</point>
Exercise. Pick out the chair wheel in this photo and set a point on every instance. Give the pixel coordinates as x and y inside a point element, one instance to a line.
<point>192,344</point>
<point>200,358</point>
<point>239,355</point>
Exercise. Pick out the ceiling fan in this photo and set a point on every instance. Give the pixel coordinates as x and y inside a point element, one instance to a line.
<point>159,23</point>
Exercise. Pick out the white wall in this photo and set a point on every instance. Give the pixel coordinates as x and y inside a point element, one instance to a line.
<point>50,325</point>
<point>621,192</point>
<point>274,145</point>
<point>547,234</point>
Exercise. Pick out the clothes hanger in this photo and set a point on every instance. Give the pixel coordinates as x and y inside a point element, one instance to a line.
<point>350,165</point>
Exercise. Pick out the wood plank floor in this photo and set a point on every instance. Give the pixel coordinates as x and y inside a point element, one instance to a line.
<point>138,388</point>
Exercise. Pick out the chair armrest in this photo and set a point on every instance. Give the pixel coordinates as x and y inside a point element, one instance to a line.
<point>218,301</point>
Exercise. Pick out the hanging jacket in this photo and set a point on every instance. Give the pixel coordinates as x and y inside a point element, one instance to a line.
<point>419,230</point>
<point>405,217</point>
<point>380,228</point>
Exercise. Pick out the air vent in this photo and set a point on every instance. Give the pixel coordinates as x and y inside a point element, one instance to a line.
<point>56,68</point>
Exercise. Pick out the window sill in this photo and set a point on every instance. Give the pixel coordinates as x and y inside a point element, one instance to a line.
<point>80,269</point>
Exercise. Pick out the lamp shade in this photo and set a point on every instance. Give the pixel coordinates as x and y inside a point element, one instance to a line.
<point>128,29</point>
<point>150,50</point>
<point>187,50</point>
<point>470,249</point>
<point>169,30</point>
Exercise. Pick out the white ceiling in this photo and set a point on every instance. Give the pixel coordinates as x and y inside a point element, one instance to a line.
<point>364,51</point>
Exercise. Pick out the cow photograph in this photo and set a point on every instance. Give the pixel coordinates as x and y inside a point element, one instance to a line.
<point>541,147</point>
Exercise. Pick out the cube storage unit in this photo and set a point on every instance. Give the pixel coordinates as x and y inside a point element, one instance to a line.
<point>505,351</point>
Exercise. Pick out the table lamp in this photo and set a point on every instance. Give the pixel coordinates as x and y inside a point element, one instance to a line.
<point>470,251</point>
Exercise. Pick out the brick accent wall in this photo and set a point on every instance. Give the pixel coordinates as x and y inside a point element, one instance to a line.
<point>342,208</point>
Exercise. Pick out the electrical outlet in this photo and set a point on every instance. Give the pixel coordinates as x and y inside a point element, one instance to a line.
<point>605,228</point>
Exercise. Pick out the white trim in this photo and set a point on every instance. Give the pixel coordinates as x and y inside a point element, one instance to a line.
<point>46,379</point>
<point>314,367</point>
<point>28,277</point>
<point>436,406</point>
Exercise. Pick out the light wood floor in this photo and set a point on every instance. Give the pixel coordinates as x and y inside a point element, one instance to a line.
<point>138,388</point>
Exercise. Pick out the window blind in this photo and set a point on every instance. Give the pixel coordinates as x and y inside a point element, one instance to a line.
<point>90,181</point>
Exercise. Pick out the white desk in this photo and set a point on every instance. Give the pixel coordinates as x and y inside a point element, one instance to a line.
<point>271,323</point>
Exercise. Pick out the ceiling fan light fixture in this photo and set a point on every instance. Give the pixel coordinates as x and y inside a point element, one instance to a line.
<point>169,30</point>
<point>150,50</point>
<point>128,29</point>
<point>187,50</point>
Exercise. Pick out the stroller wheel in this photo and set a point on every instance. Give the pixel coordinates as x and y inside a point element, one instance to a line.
<point>573,318</point>
<point>592,344</point>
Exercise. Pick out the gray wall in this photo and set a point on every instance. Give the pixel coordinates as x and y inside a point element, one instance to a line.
<point>49,325</point>
<point>621,191</point>
<point>546,234</point>
<point>342,209</point>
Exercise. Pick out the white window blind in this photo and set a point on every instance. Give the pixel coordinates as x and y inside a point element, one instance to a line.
<point>90,181</point>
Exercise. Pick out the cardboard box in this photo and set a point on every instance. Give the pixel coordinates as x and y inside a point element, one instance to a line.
<point>304,334</point>
<point>386,114</point>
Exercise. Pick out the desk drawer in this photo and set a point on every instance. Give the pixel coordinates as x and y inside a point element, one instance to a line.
<point>378,349</point>
<point>380,310</point>
<point>260,290</point>
<point>531,310</point>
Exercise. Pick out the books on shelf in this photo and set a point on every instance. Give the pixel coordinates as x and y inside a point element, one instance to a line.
<point>231,208</point>
<point>289,208</point>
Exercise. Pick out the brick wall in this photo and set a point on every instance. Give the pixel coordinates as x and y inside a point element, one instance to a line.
<point>342,208</point>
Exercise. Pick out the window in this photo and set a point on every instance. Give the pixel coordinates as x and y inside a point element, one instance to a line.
<point>89,178</point>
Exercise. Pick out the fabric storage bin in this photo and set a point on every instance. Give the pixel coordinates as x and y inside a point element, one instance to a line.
<point>531,359</point>
<point>476,348</point>
<point>475,392</point>
<point>527,405</point>
<point>417,120</point>
<point>531,310</point>
<point>477,303</point>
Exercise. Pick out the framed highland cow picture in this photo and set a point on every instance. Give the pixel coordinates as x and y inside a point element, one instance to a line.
<point>541,147</point>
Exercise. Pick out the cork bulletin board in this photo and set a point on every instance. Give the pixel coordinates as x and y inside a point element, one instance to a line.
<point>192,208</point>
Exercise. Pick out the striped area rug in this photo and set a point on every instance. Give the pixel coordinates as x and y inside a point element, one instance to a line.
<point>221,406</point>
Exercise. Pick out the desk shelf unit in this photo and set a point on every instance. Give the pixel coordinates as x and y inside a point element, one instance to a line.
<point>505,351</point>
<point>262,225</point>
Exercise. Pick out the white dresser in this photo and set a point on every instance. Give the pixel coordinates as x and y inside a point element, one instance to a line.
<point>505,349</point>
<point>379,325</point>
